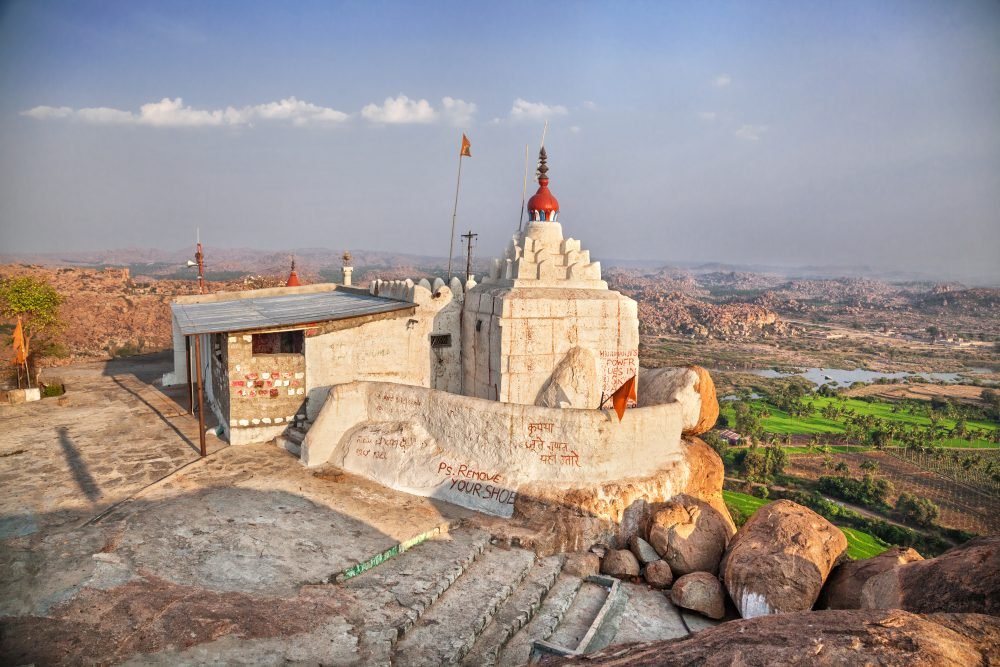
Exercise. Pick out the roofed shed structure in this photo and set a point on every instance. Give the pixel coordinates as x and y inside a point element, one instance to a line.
<point>268,356</point>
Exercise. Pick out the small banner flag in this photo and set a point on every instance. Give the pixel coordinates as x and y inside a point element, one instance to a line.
<point>621,397</point>
<point>20,349</point>
<point>466,147</point>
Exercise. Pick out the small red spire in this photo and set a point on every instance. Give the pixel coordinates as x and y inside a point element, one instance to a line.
<point>543,205</point>
<point>293,278</point>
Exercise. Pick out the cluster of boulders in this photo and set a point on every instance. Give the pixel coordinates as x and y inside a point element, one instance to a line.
<point>788,559</point>
<point>679,550</point>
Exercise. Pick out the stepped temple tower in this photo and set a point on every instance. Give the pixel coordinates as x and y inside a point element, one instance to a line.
<point>544,328</point>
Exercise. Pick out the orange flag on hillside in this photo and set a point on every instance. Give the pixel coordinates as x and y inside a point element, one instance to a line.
<point>466,147</point>
<point>621,397</point>
<point>20,349</point>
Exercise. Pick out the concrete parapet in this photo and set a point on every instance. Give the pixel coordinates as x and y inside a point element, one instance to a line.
<point>477,453</point>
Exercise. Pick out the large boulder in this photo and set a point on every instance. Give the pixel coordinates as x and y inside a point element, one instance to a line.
<point>838,638</point>
<point>690,535</point>
<point>700,592</point>
<point>965,579</point>
<point>621,564</point>
<point>843,587</point>
<point>658,574</point>
<point>573,383</point>
<point>692,387</point>
<point>778,561</point>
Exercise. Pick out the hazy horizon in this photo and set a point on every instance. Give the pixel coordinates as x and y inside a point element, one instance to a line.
<point>751,134</point>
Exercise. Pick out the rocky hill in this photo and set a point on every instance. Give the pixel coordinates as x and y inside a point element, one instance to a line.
<point>107,313</point>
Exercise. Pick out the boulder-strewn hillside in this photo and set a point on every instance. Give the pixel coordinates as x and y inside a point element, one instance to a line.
<point>105,312</point>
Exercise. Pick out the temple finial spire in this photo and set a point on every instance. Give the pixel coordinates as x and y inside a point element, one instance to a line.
<point>543,167</point>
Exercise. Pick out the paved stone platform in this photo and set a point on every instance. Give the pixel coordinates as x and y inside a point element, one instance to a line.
<point>119,545</point>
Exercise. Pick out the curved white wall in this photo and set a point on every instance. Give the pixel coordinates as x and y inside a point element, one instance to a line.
<point>476,452</point>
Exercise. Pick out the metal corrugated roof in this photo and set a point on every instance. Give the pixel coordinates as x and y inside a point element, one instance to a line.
<point>276,311</point>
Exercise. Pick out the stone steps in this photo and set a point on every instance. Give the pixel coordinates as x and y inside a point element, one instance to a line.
<point>448,629</point>
<point>517,650</point>
<point>397,592</point>
<point>580,615</point>
<point>516,612</point>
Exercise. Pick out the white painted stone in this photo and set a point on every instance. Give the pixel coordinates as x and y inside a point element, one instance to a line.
<point>248,338</point>
<point>255,421</point>
<point>265,376</point>
<point>278,420</point>
<point>299,375</point>
<point>232,339</point>
<point>266,420</point>
<point>300,390</point>
<point>428,441</point>
<point>244,422</point>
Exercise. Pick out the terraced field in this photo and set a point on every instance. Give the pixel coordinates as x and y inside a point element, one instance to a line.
<point>962,506</point>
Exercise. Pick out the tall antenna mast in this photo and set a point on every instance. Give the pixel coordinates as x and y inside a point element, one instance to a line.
<point>199,257</point>
<point>470,237</point>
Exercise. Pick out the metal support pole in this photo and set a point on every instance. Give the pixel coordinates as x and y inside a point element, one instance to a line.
<point>201,401</point>
<point>187,372</point>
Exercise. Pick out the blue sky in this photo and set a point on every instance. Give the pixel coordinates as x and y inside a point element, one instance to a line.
<point>798,133</point>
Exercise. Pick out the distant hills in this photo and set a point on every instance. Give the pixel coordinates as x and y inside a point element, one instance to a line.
<point>229,263</point>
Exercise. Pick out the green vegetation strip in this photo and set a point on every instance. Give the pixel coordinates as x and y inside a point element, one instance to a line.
<point>859,545</point>
<point>780,422</point>
<point>395,550</point>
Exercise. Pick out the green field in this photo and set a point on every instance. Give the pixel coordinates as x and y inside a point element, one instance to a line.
<point>859,545</point>
<point>780,422</point>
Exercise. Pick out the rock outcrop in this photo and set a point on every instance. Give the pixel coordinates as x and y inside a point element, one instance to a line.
<point>778,561</point>
<point>835,638</point>
<point>690,535</point>
<point>843,587</point>
<point>965,579</point>
<point>692,386</point>
<point>700,592</point>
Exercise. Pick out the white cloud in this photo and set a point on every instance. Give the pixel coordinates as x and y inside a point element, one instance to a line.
<point>458,112</point>
<point>44,112</point>
<point>400,110</point>
<point>751,132</point>
<point>589,105</point>
<point>535,111</point>
<point>575,129</point>
<point>722,81</point>
<point>173,113</point>
<point>708,116</point>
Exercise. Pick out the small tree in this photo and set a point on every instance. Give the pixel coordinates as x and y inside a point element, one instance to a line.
<point>32,299</point>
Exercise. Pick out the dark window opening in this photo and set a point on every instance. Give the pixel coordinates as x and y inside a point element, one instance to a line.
<point>479,325</point>
<point>280,342</point>
<point>440,340</point>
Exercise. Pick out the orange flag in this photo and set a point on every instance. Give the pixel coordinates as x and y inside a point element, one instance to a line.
<point>466,147</point>
<point>20,349</point>
<point>621,397</point>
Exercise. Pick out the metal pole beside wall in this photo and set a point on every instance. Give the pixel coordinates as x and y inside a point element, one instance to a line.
<point>201,394</point>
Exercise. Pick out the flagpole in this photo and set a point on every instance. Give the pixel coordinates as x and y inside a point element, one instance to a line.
<point>454,213</point>
<point>524,188</point>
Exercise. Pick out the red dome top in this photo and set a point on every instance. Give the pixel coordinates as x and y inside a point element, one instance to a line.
<point>293,278</point>
<point>543,205</point>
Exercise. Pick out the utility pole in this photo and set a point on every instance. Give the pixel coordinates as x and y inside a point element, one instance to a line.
<point>470,237</point>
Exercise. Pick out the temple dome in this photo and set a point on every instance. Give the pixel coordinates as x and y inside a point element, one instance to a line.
<point>543,206</point>
<point>293,278</point>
